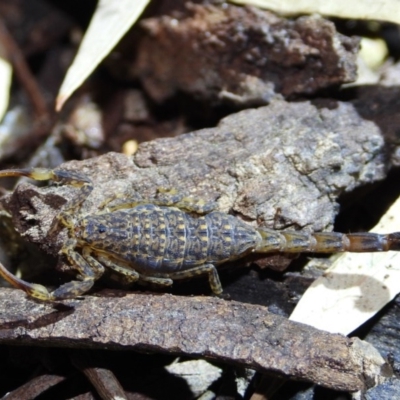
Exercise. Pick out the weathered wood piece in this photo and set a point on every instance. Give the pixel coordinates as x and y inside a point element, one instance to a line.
<point>281,166</point>
<point>35,387</point>
<point>103,379</point>
<point>239,55</point>
<point>234,332</point>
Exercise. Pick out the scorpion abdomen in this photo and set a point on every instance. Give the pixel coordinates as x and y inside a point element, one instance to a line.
<point>166,239</point>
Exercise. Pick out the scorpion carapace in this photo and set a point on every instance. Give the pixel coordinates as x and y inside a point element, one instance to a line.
<point>159,242</point>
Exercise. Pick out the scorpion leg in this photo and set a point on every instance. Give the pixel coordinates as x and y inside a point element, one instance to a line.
<point>202,269</point>
<point>156,280</point>
<point>193,204</point>
<point>130,274</point>
<point>97,268</point>
<point>89,271</point>
<point>116,196</point>
<point>172,199</point>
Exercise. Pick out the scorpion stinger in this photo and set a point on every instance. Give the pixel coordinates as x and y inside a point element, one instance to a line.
<point>158,243</point>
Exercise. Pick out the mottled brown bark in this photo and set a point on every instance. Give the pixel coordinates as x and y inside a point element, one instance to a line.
<point>228,331</point>
<point>240,55</point>
<point>281,166</point>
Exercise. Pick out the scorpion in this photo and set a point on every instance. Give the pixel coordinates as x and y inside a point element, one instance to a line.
<point>158,242</point>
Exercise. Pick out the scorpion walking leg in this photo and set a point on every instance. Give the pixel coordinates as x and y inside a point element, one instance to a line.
<point>202,269</point>
<point>188,204</point>
<point>89,271</point>
<point>172,198</point>
<point>130,274</point>
<point>97,268</point>
<point>156,280</point>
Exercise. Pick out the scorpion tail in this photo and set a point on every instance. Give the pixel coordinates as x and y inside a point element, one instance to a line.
<point>372,242</point>
<point>394,241</point>
<point>326,242</point>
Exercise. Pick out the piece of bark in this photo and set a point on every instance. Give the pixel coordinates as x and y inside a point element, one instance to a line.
<point>380,104</point>
<point>35,387</point>
<point>240,55</point>
<point>234,332</point>
<point>103,379</point>
<point>280,166</point>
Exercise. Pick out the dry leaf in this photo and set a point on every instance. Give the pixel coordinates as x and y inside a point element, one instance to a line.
<point>110,22</point>
<point>385,10</point>
<point>5,83</point>
<point>374,52</point>
<point>355,288</point>
<point>199,375</point>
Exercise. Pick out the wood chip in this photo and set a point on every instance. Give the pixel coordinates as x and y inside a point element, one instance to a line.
<point>208,327</point>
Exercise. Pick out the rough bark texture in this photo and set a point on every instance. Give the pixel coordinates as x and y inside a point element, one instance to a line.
<point>381,105</point>
<point>281,166</point>
<point>209,327</point>
<point>241,55</point>
<point>35,387</point>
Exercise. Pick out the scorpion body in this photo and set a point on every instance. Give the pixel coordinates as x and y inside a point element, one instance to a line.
<point>165,239</point>
<point>158,243</point>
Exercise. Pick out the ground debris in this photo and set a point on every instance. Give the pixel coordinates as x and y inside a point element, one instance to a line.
<point>240,55</point>
<point>197,326</point>
<point>282,167</point>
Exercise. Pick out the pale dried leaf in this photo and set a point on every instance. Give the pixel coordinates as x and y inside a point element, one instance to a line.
<point>374,52</point>
<point>386,10</point>
<point>199,375</point>
<point>109,23</point>
<point>355,287</point>
<point>5,83</point>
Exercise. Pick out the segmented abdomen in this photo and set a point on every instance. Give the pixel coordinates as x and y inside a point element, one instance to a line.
<point>164,239</point>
